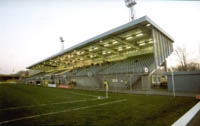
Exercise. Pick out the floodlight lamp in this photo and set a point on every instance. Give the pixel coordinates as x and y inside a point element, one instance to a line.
<point>130,3</point>
<point>61,39</point>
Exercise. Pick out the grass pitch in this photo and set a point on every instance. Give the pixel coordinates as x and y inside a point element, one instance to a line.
<point>22,105</point>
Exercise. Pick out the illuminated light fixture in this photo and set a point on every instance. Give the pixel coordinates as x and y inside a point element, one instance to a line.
<point>114,42</point>
<point>78,53</point>
<point>120,49</point>
<point>95,48</point>
<point>128,47</point>
<point>130,37</point>
<point>150,42</point>
<point>140,34</point>
<point>148,25</point>
<point>104,52</point>
<point>90,49</point>
<point>106,45</point>
<point>142,44</point>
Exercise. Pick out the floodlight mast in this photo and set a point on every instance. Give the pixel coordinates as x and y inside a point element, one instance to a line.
<point>62,43</point>
<point>130,4</point>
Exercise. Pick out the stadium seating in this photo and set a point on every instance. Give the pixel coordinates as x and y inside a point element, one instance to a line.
<point>134,65</point>
<point>92,76</point>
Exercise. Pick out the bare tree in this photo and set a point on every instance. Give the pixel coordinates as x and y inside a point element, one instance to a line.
<point>182,58</point>
<point>184,63</point>
<point>193,66</point>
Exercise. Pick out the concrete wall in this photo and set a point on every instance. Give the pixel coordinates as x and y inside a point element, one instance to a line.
<point>87,82</point>
<point>184,81</point>
<point>146,82</point>
<point>117,82</point>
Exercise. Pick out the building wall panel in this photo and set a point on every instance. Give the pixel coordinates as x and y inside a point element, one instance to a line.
<point>162,47</point>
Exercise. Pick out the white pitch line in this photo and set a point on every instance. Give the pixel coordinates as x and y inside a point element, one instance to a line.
<point>32,106</point>
<point>83,94</point>
<point>68,110</point>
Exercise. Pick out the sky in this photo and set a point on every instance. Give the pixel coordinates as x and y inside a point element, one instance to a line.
<point>30,29</point>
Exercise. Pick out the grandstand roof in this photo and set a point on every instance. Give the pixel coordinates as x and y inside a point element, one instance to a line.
<point>131,39</point>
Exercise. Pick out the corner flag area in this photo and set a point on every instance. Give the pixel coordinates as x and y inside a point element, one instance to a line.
<point>21,105</point>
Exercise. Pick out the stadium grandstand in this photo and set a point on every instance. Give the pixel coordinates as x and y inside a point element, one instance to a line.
<point>125,56</point>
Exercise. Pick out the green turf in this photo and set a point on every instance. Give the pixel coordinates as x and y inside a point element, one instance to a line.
<point>137,110</point>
